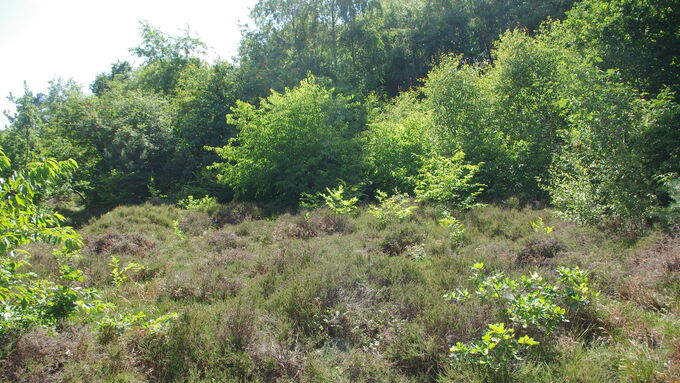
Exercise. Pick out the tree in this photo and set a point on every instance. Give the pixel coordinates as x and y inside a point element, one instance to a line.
<point>299,141</point>
<point>26,301</point>
<point>165,57</point>
<point>20,138</point>
<point>204,97</point>
<point>637,38</point>
<point>397,138</point>
<point>121,71</point>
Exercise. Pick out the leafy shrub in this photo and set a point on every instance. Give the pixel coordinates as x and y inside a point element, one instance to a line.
<point>25,300</point>
<point>396,140</point>
<point>540,227</point>
<point>394,208</point>
<point>112,326</point>
<point>448,181</point>
<point>456,229</point>
<point>496,349</point>
<point>336,202</point>
<point>292,143</point>
<point>529,303</point>
<point>118,274</point>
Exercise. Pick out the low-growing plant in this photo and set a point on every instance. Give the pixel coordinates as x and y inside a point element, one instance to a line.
<point>394,208</point>
<point>112,326</point>
<point>577,293</point>
<point>496,349</point>
<point>178,231</point>
<point>529,302</point>
<point>118,274</point>
<point>539,226</point>
<point>456,229</point>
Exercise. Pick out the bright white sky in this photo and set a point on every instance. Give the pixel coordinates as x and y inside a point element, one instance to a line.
<point>44,39</point>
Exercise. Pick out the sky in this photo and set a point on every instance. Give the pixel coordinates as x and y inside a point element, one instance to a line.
<point>41,40</point>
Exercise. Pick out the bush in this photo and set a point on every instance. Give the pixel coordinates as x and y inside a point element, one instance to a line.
<point>25,300</point>
<point>448,181</point>
<point>391,209</point>
<point>529,303</point>
<point>311,124</point>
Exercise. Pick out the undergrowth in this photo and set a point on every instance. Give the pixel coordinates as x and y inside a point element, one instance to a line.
<point>320,297</point>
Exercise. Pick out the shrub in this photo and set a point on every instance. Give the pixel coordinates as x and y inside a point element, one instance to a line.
<point>448,181</point>
<point>496,349</point>
<point>394,208</point>
<point>456,229</point>
<point>396,140</point>
<point>529,303</point>
<point>336,202</point>
<point>25,300</point>
<point>292,143</point>
<point>118,274</point>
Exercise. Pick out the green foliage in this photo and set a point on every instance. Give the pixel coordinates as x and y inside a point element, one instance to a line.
<point>296,142</point>
<point>191,203</point>
<point>165,57</point>
<point>381,46</point>
<point>496,349</point>
<point>27,301</point>
<point>601,172</point>
<point>575,284</point>
<point>335,200</point>
<point>396,140</point>
<point>112,326</point>
<point>532,302</point>
<point>501,114</point>
<point>118,274</point>
<point>178,231</point>
<point>448,181</point>
<point>638,38</point>
<point>539,226</point>
<point>456,228</point>
<point>528,303</point>
<point>394,208</point>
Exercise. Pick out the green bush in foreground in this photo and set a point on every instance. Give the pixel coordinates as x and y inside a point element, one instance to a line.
<point>530,304</point>
<point>25,300</point>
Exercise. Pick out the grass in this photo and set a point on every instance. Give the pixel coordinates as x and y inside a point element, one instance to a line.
<point>323,298</point>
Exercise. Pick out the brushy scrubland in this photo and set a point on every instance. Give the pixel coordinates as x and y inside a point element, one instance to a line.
<point>319,297</point>
<point>423,107</point>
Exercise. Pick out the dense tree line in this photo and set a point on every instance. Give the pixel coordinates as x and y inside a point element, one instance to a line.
<point>569,103</point>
